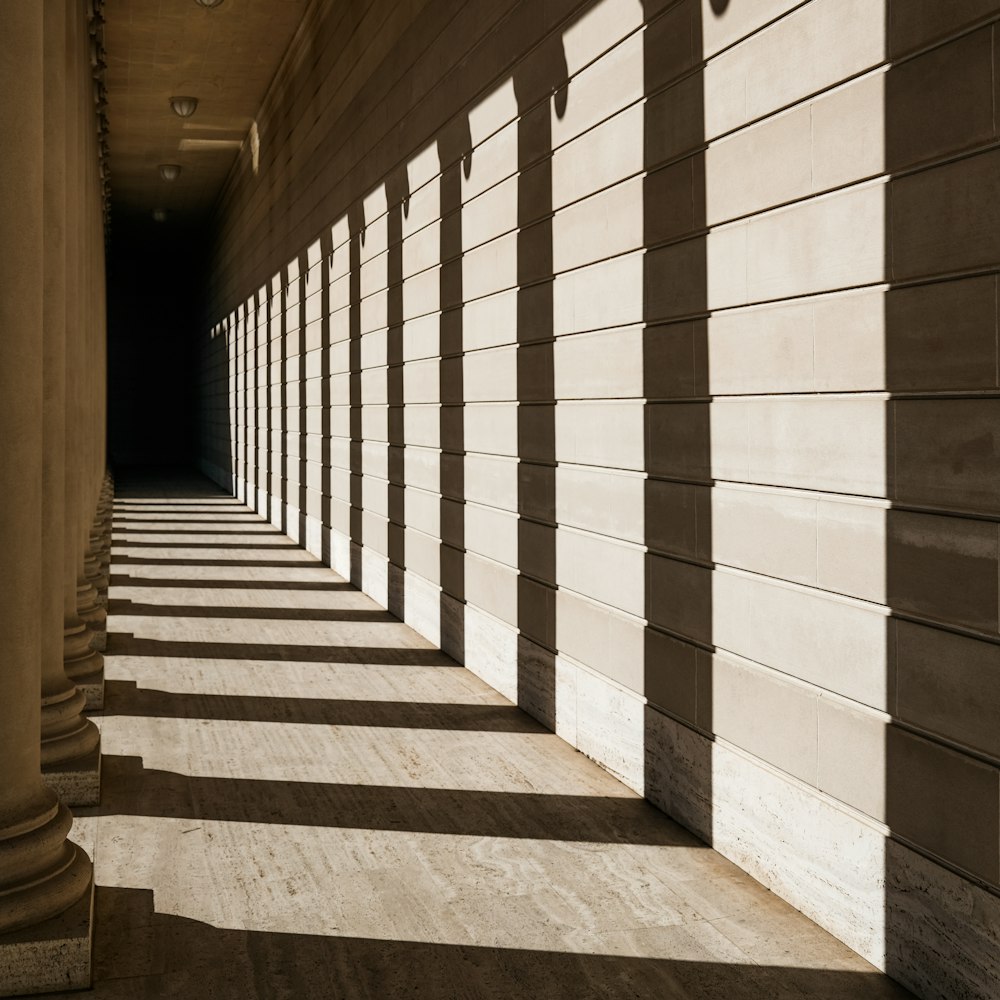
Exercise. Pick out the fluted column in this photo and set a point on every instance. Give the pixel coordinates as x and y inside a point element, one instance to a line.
<point>44,877</point>
<point>95,356</point>
<point>70,758</point>
<point>84,666</point>
<point>95,566</point>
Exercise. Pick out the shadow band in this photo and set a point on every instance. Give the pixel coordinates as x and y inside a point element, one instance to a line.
<point>125,644</point>
<point>190,958</point>
<point>125,580</point>
<point>124,698</point>
<point>129,789</point>
<point>119,606</point>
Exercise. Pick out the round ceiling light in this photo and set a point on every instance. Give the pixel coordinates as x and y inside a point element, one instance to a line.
<point>208,4</point>
<point>184,106</point>
<point>170,171</point>
<point>159,215</point>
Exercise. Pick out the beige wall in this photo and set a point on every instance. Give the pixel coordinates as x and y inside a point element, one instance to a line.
<point>705,293</point>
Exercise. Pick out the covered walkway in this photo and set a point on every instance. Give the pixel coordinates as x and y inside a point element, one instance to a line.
<point>303,798</point>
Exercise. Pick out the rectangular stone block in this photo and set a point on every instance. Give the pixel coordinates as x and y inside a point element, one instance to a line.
<point>852,756</point>
<point>600,295</point>
<point>609,83</point>
<point>949,684</point>
<point>77,783</point>
<point>819,443</point>
<point>811,49</point>
<point>601,568</point>
<point>767,532</point>
<point>942,335</point>
<point>834,643</point>
<point>774,720</point>
<point>609,726</point>
<point>598,158</point>
<point>490,375</point>
<point>608,503</point>
<point>492,533</point>
<point>606,433</point>
<point>492,213</point>
<point>600,638</point>
<point>944,802</point>
<point>52,956</point>
<point>423,555</point>
<point>827,243</point>
<point>941,102</point>
<point>601,226</point>
<point>607,364</point>
<point>947,219</point>
<point>944,568</point>
<point>491,428</point>
<point>759,167</point>
<point>491,587</point>
<point>919,22</point>
<point>851,548</point>
<point>947,453</point>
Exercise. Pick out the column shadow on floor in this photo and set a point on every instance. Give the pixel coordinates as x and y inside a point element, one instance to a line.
<point>141,952</point>
<point>178,957</point>
<point>126,698</point>
<point>129,789</point>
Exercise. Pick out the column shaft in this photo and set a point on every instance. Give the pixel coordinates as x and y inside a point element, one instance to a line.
<point>83,664</point>
<point>41,873</point>
<point>69,742</point>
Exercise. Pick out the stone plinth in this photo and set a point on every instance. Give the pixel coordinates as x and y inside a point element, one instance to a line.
<point>51,956</point>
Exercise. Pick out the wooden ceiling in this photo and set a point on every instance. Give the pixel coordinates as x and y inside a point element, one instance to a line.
<point>158,49</point>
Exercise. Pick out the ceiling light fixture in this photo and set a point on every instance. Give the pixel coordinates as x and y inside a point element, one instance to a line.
<point>184,106</point>
<point>170,171</point>
<point>209,4</point>
<point>159,215</point>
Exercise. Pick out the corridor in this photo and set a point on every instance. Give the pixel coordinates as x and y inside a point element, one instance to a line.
<point>584,579</point>
<point>303,798</point>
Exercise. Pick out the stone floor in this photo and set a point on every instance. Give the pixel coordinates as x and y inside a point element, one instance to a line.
<point>303,798</point>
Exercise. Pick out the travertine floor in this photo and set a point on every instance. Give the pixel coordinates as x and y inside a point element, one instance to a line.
<point>302,798</point>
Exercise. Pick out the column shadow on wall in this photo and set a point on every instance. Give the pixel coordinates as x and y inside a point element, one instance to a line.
<point>540,88</point>
<point>398,199</point>
<point>942,751</point>
<point>678,638</point>
<point>455,154</point>
<point>356,229</point>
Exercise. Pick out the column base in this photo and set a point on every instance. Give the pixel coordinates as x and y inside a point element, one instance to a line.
<point>83,666</point>
<point>50,956</point>
<point>77,782</point>
<point>99,643</point>
<point>92,686</point>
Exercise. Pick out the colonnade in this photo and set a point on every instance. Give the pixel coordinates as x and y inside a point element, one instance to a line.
<point>55,495</point>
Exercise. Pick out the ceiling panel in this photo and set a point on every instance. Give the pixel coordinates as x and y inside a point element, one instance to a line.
<point>158,49</point>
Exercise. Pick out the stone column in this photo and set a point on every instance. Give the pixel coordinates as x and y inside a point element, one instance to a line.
<point>70,754</point>
<point>83,665</point>
<point>90,604</point>
<point>96,570</point>
<point>93,568</point>
<point>45,880</point>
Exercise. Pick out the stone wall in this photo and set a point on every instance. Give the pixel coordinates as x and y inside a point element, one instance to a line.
<point>644,355</point>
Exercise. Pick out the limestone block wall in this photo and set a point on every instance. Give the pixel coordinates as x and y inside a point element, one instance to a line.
<point>644,356</point>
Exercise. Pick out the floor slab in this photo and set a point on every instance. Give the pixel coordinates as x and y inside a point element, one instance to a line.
<point>303,798</point>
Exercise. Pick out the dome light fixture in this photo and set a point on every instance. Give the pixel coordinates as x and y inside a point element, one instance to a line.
<point>159,215</point>
<point>184,107</point>
<point>209,4</point>
<point>170,171</point>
